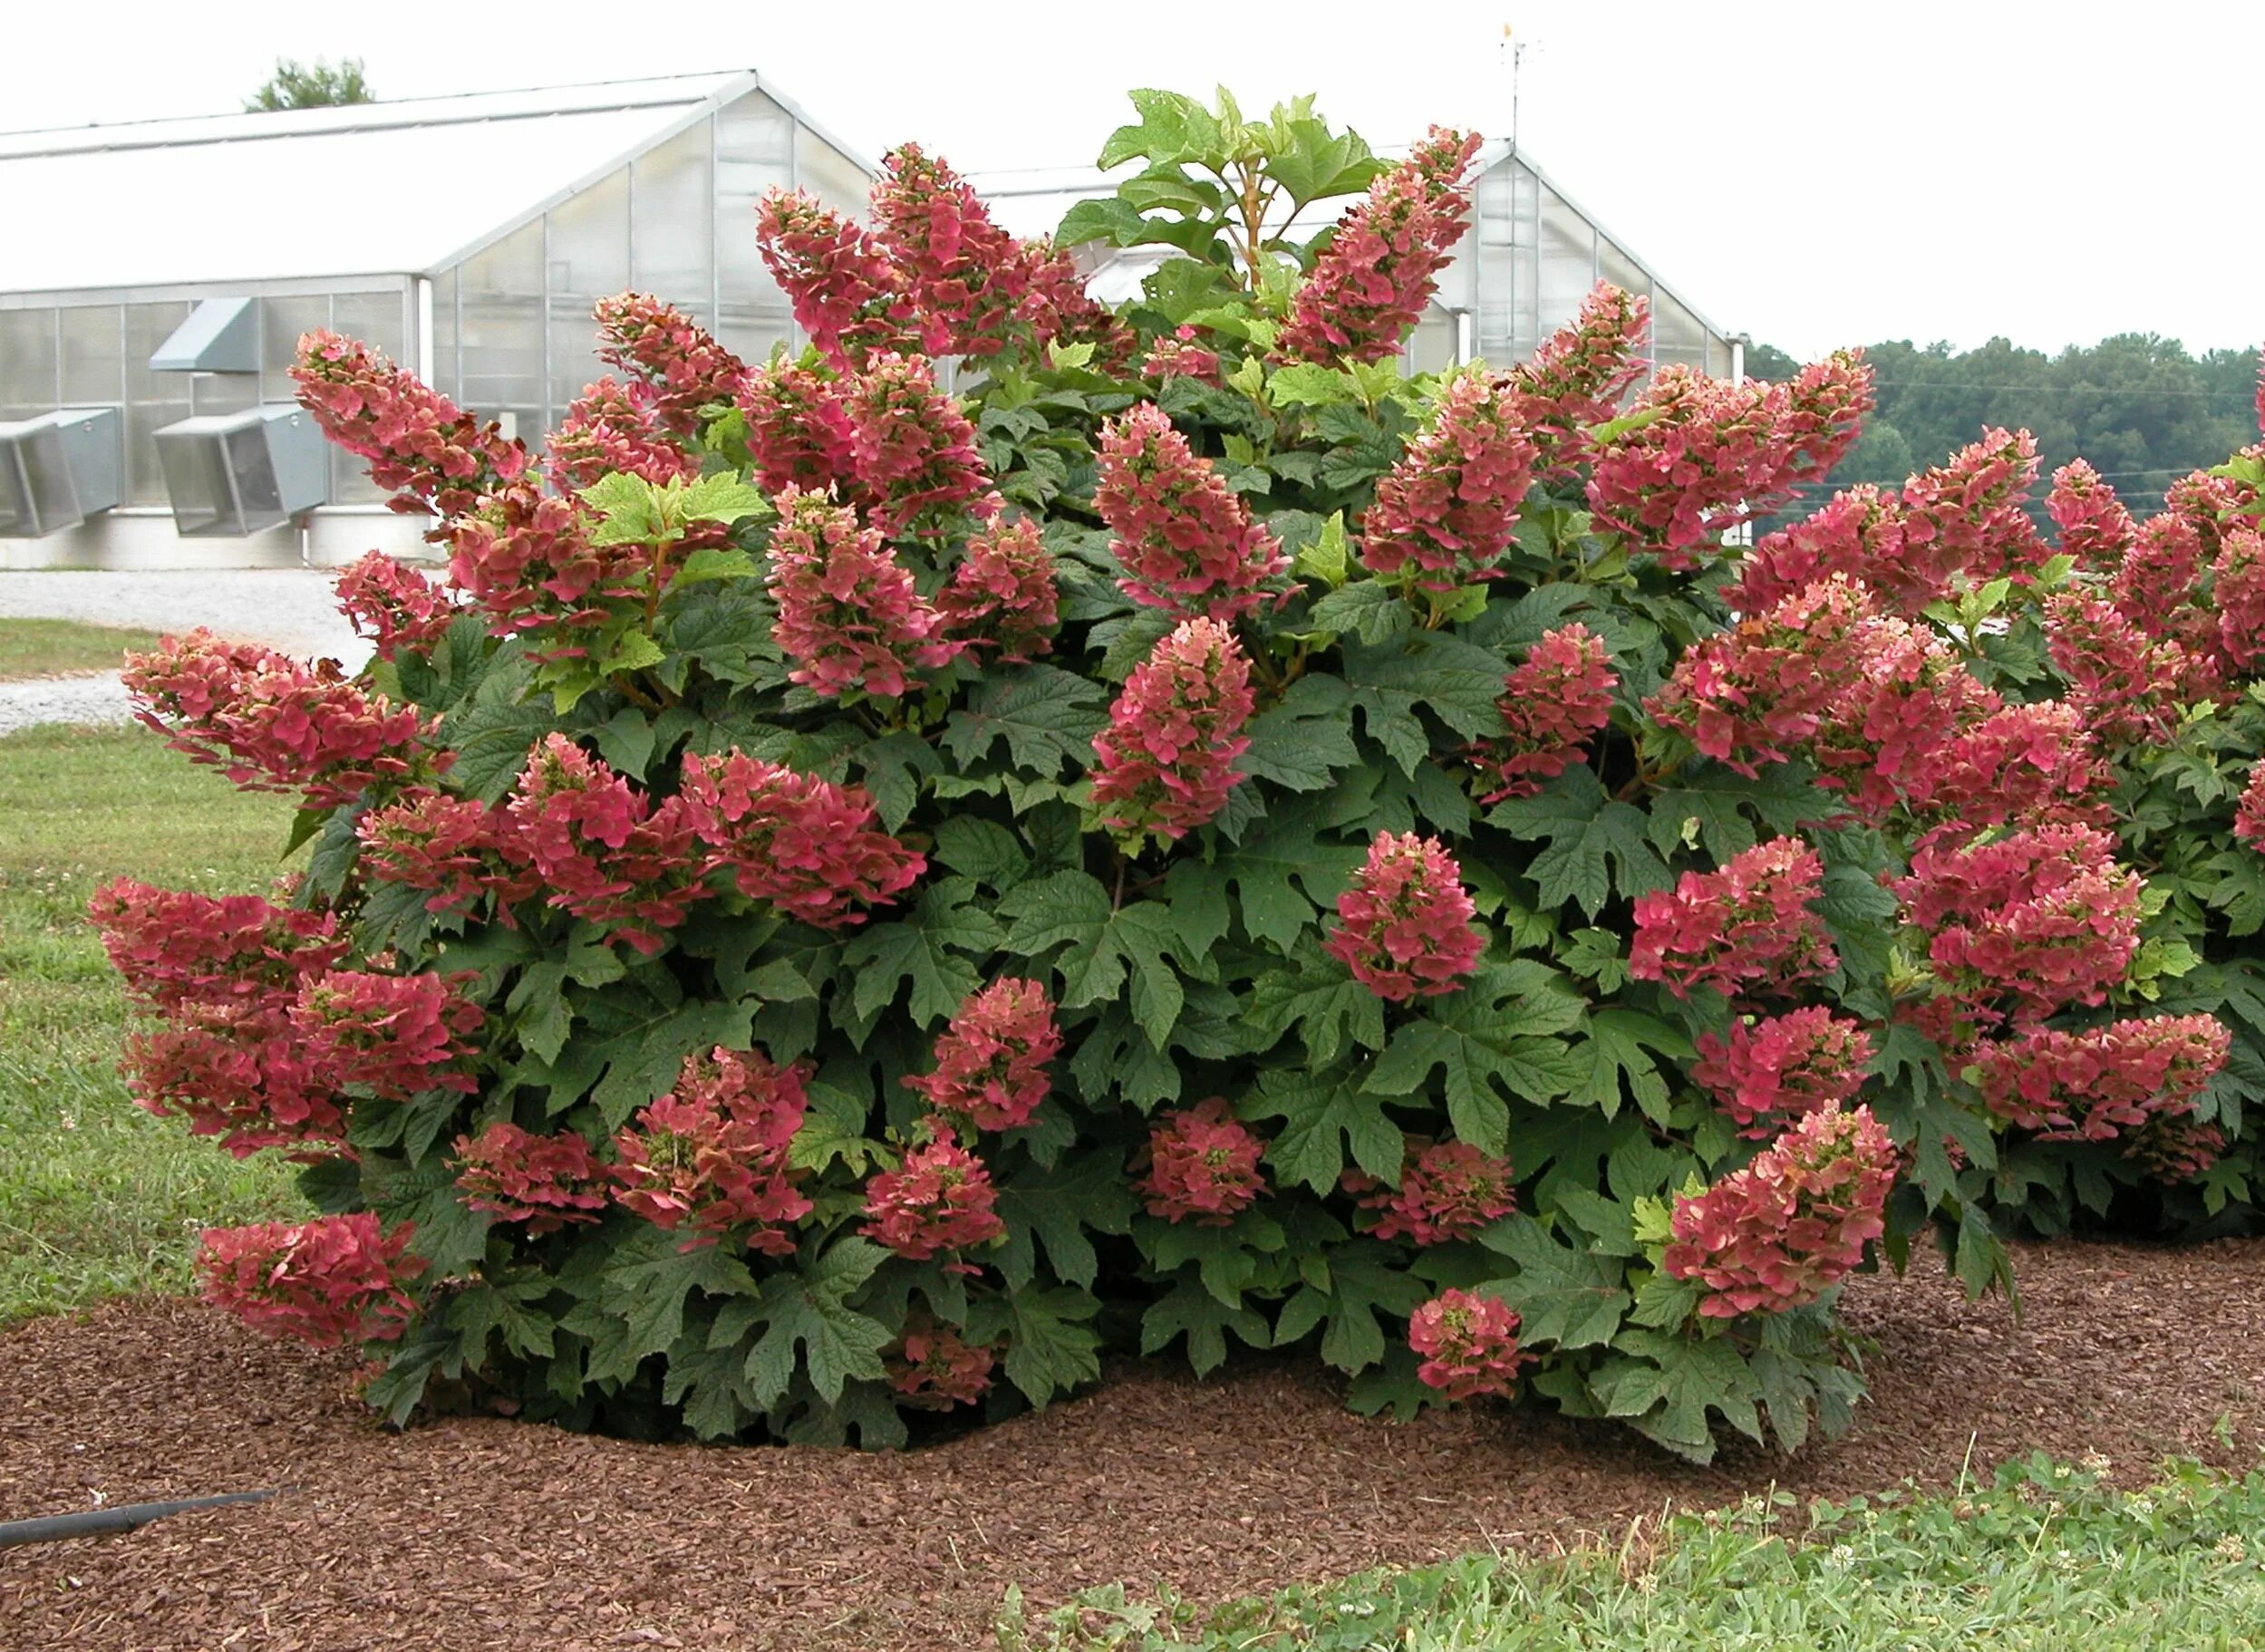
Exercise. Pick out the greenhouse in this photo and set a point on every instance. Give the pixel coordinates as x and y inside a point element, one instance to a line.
<point>1530,258</point>
<point>146,415</point>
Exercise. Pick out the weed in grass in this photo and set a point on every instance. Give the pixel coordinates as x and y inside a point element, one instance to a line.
<point>51,648</point>
<point>97,1198</point>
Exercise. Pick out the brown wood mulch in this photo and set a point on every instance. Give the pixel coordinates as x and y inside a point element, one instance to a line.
<point>487,1533</point>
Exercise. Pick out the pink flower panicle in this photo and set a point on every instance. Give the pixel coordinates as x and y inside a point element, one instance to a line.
<point>2027,923</point>
<point>1968,514</point>
<point>681,368</point>
<point>1775,1071</point>
<point>457,850</point>
<point>1057,308</point>
<point>1443,515</point>
<point>1448,1190</point>
<point>271,724</point>
<point>2249,814</point>
<point>430,454</point>
<point>1467,1345</point>
<point>1859,534</point>
<point>174,947</point>
<point>393,606</point>
<point>991,1061</point>
<point>611,427</point>
<point>1188,543</point>
<point>798,433</point>
<point>1178,354</point>
<point>1580,375</point>
<point>2237,581</point>
<point>940,1200</point>
<point>394,1036</point>
<point>1166,763</point>
<point>805,844</point>
<point>1759,692</point>
<point>2158,582</point>
<point>913,450</point>
<point>2104,1082</point>
<point>849,614</point>
<point>845,293</point>
<point>1793,1223</point>
<point>1713,453</point>
<point>960,270</point>
<point>1371,282</point>
<point>1203,1166</point>
<point>1404,925</point>
<point>603,850</point>
<point>548,1182</point>
<point>1884,734</point>
<point>2095,530</point>
<point>237,1071</point>
<point>935,1369</point>
<point>1552,702</point>
<point>527,560</point>
<point>1002,595</point>
<point>332,1282</point>
<point>2127,687</point>
<point>1746,930</point>
<point>711,1158</point>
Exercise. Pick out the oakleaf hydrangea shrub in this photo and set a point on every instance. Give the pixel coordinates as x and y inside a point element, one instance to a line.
<point>851,900</point>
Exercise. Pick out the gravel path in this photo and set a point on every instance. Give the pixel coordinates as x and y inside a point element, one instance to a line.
<point>290,609</point>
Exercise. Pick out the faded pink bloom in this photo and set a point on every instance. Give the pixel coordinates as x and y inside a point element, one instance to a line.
<point>1468,1344</point>
<point>1203,1166</point>
<point>1793,1223</point>
<point>393,606</point>
<point>1166,763</point>
<point>1968,514</point>
<point>681,367</point>
<point>1748,929</point>
<point>1448,1190</point>
<point>991,1061</point>
<point>1777,1070</point>
<point>849,616</point>
<point>612,427</point>
<point>2104,1082</point>
<point>1378,272</point>
<point>807,846</point>
<point>797,432</point>
<point>1405,923</point>
<point>1002,595</point>
<point>940,1200</point>
<point>1188,543</point>
<point>1552,702</point>
<point>329,1282</point>
<point>711,1157</point>
<point>845,293</point>
<point>913,450</point>
<point>430,454</point>
<point>2095,530</point>
<point>1444,515</point>
<point>548,1182</point>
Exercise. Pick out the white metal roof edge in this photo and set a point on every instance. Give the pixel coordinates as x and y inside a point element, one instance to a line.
<point>747,81</point>
<point>444,109</point>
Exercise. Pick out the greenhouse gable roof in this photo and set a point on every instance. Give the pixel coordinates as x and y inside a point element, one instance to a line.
<point>372,189</point>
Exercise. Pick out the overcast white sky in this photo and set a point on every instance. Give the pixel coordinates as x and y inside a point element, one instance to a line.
<point>1811,173</point>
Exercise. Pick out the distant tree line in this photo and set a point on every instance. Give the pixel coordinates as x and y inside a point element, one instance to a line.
<point>2139,407</point>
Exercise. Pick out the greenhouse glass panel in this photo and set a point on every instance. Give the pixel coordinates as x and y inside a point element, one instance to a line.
<point>153,399</point>
<point>1616,267</point>
<point>754,154</point>
<point>282,322</point>
<point>28,363</point>
<point>374,318</point>
<point>222,392</point>
<point>588,253</point>
<point>826,172</point>
<point>1677,335</point>
<point>499,316</point>
<point>672,210</point>
<point>93,356</point>
<point>1429,346</point>
<point>446,377</point>
<point>1568,262</point>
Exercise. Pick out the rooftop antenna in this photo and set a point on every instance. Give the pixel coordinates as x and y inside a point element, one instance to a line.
<point>1514,55</point>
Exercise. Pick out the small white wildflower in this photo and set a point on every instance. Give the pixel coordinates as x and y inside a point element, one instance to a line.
<point>2230,1547</point>
<point>2097,1461</point>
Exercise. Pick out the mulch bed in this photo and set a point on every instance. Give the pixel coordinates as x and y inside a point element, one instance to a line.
<point>479,1533</point>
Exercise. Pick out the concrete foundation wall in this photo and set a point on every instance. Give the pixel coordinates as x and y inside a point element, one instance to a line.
<point>144,540</point>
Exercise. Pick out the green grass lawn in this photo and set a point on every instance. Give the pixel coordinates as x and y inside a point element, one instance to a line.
<point>46,648</point>
<point>96,1197</point>
<point>2048,1560</point>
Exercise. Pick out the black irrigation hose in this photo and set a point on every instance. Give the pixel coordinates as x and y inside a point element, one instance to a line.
<point>126,1517</point>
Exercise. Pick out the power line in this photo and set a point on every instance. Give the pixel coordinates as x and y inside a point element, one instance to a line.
<point>2062,390</point>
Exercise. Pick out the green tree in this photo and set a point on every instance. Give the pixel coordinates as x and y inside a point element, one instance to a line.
<point>317,86</point>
